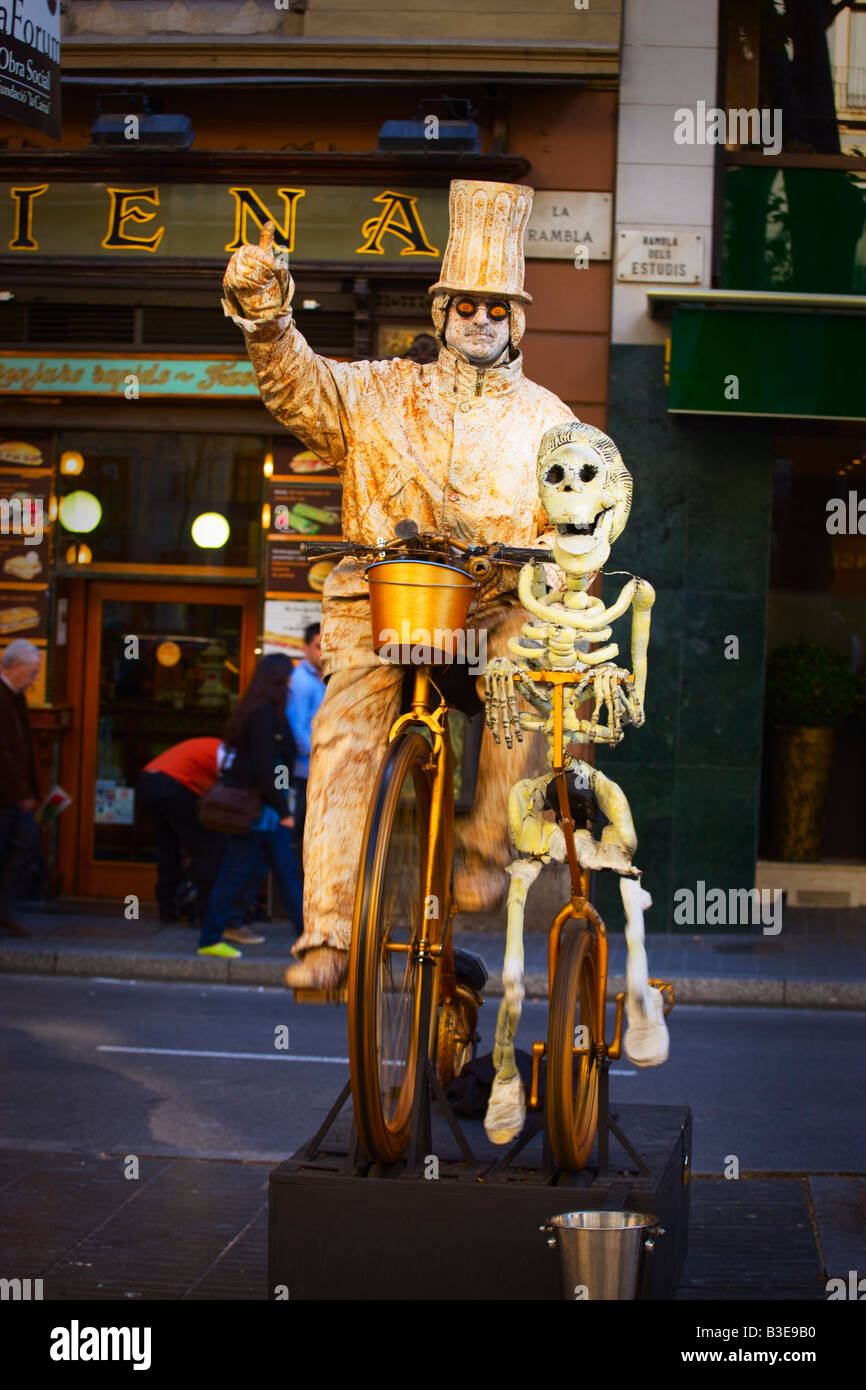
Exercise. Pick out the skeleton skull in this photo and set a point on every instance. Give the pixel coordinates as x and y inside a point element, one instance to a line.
<point>586,490</point>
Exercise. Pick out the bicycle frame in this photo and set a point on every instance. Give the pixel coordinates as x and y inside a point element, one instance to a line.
<point>436,722</point>
<point>578,907</point>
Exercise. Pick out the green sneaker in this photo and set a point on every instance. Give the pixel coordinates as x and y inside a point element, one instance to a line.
<point>222,948</point>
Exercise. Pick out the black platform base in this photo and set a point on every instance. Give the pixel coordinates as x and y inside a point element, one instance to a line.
<point>471,1233</point>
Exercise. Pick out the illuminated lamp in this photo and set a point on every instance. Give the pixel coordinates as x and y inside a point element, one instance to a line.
<point>71,463</point>
<point>210,531</point>
<point>80,512</point>
<point>266,516</point>
<point>268,466</point>
<point>168,653</point>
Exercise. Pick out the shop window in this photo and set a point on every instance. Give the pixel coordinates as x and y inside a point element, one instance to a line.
<point>817,591</point>
<point>152,487</point>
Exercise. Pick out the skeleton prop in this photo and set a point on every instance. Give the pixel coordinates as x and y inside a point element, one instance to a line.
<point>586,491</point>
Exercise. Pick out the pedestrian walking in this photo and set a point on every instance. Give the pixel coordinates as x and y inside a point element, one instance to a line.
<point>260,754</point>
<point>168,790</point>
<point>306,693</point>
<point>19,792</point>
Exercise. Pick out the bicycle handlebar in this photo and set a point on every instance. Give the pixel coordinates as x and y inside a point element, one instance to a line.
<point>423,546</point>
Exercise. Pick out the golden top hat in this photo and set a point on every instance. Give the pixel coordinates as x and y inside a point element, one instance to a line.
<point>484,254</point>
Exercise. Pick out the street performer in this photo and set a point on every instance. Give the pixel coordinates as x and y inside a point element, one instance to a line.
<point>450,445</point>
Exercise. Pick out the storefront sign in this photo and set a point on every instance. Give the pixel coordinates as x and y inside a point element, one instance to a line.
<point>124,374</point>
<point>669,257</point>
<point>320,222</point>
<point>30,64</point>
<point>315,223</point>
<point>563,223</point>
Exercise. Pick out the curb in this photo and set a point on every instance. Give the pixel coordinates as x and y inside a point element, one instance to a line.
<point>717,990</point>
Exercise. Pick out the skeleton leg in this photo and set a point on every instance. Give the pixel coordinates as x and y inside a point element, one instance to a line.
<point>646,1037</point>
<point>506,1109</point>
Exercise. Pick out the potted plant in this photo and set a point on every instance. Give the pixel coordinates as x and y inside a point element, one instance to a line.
<point>810,692</point>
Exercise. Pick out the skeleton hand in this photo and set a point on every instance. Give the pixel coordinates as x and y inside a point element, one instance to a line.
<point>614,692</point>
<point>256,279</point>
<point>500,700</point>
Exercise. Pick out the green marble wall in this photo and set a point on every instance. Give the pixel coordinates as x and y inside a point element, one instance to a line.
<point>699,531</point>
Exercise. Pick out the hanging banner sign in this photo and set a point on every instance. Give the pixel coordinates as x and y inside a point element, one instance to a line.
<point>125,374</point>
<point>30,64</point>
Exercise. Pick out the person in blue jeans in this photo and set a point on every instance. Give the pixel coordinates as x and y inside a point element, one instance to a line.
<point>306,693</point>
<point>260,753</point>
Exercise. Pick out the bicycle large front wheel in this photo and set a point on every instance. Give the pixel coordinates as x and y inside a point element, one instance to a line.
<point>571,1089</point>
<point>384,976</point>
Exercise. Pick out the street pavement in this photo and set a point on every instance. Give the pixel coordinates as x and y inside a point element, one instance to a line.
<point>190,1081</point>
<point>817,960</point>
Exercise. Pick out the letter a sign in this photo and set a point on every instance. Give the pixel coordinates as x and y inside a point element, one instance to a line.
<point>400,218</point>
<point>30,64</point>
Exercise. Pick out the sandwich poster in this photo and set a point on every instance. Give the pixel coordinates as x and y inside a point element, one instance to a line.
<point>23,613</point>
<point>292,460</point>
<point>26,481</point>
<point>309,511</point>
<point>290,572</point>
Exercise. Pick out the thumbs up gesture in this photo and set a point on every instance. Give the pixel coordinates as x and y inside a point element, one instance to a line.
<point>256,279</point>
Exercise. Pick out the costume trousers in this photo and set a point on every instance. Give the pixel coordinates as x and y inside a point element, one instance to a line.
<point>349,739</point>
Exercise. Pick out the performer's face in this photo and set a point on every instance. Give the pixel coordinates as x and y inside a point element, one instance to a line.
<point>477,328</point>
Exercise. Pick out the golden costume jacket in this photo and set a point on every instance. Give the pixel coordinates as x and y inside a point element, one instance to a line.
<point>444,444</point>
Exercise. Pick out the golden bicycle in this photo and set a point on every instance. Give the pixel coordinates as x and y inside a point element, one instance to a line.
<point>411,1019</point>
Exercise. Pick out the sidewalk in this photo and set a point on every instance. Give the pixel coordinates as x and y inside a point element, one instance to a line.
<point>817,961</point>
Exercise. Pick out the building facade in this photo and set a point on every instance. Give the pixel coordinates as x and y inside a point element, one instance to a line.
<point>173,506</point>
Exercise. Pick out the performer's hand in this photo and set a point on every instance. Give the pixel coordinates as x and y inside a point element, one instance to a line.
<point>29,805</point>
<point>254,277</point>
<point>288,822</point>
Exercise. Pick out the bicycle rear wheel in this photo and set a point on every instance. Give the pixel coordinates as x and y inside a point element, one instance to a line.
<point>384,978</point>
<point>571,1092</point>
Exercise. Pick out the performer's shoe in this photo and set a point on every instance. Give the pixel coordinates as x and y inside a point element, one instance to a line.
<point>323,967</point>
<point>478,886</point>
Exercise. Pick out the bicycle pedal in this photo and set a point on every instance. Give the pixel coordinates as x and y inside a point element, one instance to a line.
<point>322,996</point>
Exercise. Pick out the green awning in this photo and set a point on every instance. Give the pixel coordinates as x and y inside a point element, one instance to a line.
<point>806,364</point>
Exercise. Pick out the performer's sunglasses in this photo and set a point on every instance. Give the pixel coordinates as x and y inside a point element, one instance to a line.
<point>467,308</point>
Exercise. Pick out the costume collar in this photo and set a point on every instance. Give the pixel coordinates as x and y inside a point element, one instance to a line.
<point>459,378</point>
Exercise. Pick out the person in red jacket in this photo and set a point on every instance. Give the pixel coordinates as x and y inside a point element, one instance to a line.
<point>168,790</point>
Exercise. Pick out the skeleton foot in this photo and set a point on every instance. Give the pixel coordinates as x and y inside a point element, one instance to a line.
<point>506,1110</point>
<point>646,1041</point>
<point>602,854</point>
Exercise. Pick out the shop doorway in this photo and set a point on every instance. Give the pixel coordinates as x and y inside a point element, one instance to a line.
<point>164,663</point>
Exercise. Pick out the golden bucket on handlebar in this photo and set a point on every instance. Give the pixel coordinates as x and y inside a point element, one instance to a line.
<point>419,603</point>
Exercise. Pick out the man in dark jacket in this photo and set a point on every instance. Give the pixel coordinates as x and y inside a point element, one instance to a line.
<point>19,793</point>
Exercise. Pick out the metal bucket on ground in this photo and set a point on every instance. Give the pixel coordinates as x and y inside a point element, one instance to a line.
<point>601,1253</point>
<point>419,603</point>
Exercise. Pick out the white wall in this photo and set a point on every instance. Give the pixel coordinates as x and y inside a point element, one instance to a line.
<point>669,59</point>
